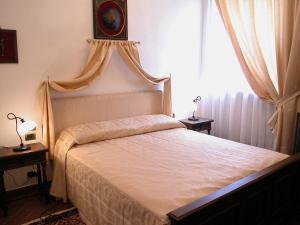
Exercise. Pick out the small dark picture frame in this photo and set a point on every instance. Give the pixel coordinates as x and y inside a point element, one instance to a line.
<point>8,46</point>
<point>110,19</point>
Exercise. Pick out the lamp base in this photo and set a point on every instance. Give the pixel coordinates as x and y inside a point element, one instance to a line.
<point>193,118</point>
<point>22,148</point>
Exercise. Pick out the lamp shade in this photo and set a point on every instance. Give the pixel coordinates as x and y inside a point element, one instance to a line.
<point>26,126</point>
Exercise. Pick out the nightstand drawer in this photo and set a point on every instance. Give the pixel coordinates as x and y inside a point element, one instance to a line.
<point>201,127</point>
<point>16,162</point>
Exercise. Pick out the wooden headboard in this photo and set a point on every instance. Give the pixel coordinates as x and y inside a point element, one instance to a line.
<point>77,110</point>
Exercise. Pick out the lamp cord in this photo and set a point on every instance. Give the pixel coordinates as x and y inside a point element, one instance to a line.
<point>14,180</point>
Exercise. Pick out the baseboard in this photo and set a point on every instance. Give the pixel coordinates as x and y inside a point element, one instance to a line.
<point>24,192</point>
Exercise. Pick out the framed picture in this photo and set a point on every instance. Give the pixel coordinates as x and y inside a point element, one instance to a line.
<point>110,19</point>
<point>8,46</point>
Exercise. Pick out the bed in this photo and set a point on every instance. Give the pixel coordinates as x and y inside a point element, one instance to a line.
<point>121,162</point>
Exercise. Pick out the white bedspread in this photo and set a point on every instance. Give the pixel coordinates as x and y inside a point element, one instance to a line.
<point>100,131</point>
<point>137,180</point>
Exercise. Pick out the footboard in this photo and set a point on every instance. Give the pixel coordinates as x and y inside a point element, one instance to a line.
<point>264,198</point>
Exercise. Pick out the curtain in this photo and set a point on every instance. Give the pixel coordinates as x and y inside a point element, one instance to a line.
<point>238,114</point>
<point>266,38</point>
<point>239,117</point>
<point>100,53</point>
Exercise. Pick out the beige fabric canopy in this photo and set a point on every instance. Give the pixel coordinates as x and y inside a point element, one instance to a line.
<point>100,54</point>
<point>266,38</point>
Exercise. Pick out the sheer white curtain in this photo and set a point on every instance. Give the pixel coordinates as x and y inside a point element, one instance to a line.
<point>226,96</point>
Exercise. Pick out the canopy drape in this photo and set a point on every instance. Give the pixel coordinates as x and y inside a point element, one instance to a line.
<point>100,54</point>
<point>266,38</point>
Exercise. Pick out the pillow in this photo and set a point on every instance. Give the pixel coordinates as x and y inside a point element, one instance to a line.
<point>104,130</point>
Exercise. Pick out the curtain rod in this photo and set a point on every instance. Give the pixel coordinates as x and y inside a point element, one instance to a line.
<point>112,41</point>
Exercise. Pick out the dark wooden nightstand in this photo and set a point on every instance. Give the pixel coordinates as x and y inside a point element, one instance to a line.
<point>12,160</point>
<point>199,125</point>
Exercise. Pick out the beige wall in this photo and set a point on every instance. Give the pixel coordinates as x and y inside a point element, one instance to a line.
<point>52,42</point>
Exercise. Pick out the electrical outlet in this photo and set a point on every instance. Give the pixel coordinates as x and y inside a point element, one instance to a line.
<point>30,137</point>
<point>31,174</point>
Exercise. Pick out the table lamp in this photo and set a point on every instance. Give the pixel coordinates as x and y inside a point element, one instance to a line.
<point>196,101</point>
<point>22,129</point>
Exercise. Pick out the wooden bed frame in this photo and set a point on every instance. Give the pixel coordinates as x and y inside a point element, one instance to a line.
<point>268,197</point>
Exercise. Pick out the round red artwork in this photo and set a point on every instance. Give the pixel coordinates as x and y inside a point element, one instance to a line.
<point>110,18</point>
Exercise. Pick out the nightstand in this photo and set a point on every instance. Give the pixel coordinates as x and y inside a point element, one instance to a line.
<point>12,160</point>
<point>199,125</point>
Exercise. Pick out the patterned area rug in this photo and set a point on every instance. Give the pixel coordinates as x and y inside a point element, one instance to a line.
<point>66,217</point>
